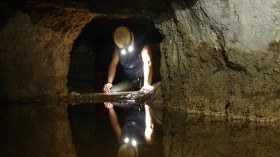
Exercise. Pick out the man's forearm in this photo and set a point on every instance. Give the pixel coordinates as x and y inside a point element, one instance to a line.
<point>111,73</point>
<point>148,73</point>
<point>149,121</point>
<point>112,67</point>
<point>114,122</point>
<point>146,57</point>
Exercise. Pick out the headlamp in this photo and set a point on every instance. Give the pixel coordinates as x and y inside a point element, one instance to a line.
<point>132,141</point>
<point>123,51</point>
<point>128,49</point>
<point>126,140</point>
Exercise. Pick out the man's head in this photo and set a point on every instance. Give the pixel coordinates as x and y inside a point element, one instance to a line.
<point>123,37</point>
<point>127,150</point>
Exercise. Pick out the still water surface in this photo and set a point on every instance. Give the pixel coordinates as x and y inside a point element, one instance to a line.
<point>57,129</point>
<point>39,129</point>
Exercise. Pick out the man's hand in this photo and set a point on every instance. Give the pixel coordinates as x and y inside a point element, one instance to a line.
<point>108,105</point>
<point>107,87</point>
<point>147,88</point>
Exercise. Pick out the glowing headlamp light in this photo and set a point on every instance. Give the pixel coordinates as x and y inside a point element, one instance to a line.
<point>130,141</point>
<point>133,142</point>
<point>126,140</point>
<point>123,51</point>
<point>129,49</point>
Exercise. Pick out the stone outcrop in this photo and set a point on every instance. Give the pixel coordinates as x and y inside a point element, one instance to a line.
<point>217,57</point>
<point>35,51</point>
<point>226,58</point>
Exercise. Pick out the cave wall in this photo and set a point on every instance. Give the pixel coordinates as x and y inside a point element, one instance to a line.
<point>35,45</point>
<point>221,58</point>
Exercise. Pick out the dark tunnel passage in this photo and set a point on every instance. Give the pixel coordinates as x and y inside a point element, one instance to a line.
<point>90,57</point>
<point>92,50</point>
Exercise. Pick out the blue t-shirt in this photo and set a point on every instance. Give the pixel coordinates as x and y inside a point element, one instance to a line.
<point>132,63</point>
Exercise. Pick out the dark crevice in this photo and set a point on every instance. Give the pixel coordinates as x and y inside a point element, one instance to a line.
<point>228,107</point>
<point>233,66</point>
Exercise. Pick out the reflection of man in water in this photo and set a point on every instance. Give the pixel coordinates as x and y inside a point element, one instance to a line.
<point>137,129</point>
<point>135,59</point>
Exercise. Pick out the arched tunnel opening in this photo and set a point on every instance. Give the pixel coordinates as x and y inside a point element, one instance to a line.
<point>93,48</point>
<point>90,56</point>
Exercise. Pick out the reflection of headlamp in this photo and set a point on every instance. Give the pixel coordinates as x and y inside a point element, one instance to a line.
<point>130,141</point>
<point>128,49</point>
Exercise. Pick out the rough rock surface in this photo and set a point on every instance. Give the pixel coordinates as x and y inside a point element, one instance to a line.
<point>35,50</point>
<point>218,57</point>
<point>226,58</point>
